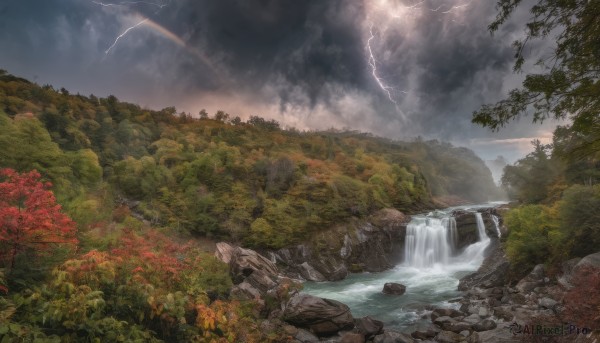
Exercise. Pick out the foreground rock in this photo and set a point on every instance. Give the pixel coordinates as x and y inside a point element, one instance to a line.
<point>324,317</point>
<point>493,272</point>
<point>372,245</point>
<point>394,288</point>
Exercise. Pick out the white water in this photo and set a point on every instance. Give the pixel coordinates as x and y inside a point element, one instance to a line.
<point>430,271</point>
<point>497,225</point>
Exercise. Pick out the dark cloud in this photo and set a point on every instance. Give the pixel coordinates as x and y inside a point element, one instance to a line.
<point>304,63</point>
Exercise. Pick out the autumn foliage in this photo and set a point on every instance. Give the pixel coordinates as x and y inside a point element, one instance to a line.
<point>583,301</point>
<point>30,218</point>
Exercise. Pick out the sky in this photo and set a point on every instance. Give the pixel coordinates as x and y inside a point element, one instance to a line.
<point>398,69</point>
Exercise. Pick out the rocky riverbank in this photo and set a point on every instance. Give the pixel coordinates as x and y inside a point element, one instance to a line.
<point>493,308</point>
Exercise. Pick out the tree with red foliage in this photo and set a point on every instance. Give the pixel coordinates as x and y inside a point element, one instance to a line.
<point>582,302</point>
<point>30,218</point>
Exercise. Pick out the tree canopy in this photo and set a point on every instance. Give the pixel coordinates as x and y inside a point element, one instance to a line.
<point>569,86</point>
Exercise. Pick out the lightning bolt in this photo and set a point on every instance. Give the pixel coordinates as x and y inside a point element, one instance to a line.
<point>373,64</point>
<point>127,3</point>
<point>395,11</point>
<point>123,34</point>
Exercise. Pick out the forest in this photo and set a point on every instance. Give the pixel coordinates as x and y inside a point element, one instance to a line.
<point>106,208</point>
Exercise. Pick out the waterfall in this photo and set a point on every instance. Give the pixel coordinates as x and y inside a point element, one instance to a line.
<point>481,227</point>
<point>474,252</point>
<point>431,240</point>
<point>497,225</point>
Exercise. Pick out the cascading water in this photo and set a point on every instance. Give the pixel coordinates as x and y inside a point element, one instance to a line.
<point>429,240</point>
<point>431,269</point>
<point>474,252</point>
<point>497,225</point>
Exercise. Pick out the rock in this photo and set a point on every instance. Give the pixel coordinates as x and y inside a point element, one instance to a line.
<point>262,281</point>
<point>501,334</point>
<point>592,260</point>
<point>390,336</point>
<point>451,324</point>
<point>309,273</point>
<point>305,336</point>
<point>245,261</point>
<point>457,326</point>
<point>547,303</point>
<point>448,337</point>
<point>224,251</point>
<point>465,333</point>
<point>483,312</point>
<point>352,337</point>
<point>373,244</point>
<point>368,326</point>
<point>503,313</point>
<point>322,316</point>
<point>473,338</point>
<point>534,279</point>
<point>424,334</point>
<point>393,288</point>
<point>484,325</point>
<point>449,312</point>
<point>473,318</point>
<point>493,271</point>
<point>245,291</point>
<point>518,299</point>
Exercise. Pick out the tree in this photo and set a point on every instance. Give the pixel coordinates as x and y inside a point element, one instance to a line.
<point>30,219</point>
<point>570,84</point>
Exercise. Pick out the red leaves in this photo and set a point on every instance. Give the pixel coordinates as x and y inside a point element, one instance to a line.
<point>583,301</point>
<point>29,215</point>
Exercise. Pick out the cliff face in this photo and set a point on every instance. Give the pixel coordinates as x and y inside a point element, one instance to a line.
<point>374,244</point>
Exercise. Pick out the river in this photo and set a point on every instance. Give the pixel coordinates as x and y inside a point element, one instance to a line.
<point>430,271</point>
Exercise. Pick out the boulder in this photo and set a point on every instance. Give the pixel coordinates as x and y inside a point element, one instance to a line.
<point>547,303</point>
<point>425,333</point>
<point>534,279</point>
<point>501,334</point>
<point>394,288</point>
<point>493,271</point>
<point>566,275</point>
<point>309,273</point>
<point>504,313</point>
<point>592,260</point>
<point>449,312</point>
<point>245,261</point>
<point>450,324</point>
<point>352,337</point>
<point>484,325</point>
<point>391,336</point>
<point>224,251</point>
<point>245,291</point>
<point>368,326</point>
<point>322,316</point>
<point>262,281</point>
<point>306,336</point>
<point>448,337</point>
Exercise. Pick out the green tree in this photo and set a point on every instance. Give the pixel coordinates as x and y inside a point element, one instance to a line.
<point>570,84</point>
<point>580,219</point>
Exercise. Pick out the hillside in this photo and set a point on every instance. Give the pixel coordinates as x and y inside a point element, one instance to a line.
<point>250,181</point>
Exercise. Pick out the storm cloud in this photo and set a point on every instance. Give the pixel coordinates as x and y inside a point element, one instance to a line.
<point>307,64</point>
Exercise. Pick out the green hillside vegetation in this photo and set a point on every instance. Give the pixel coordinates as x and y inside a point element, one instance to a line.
<point>251,182</point>
<point>98,198</point>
